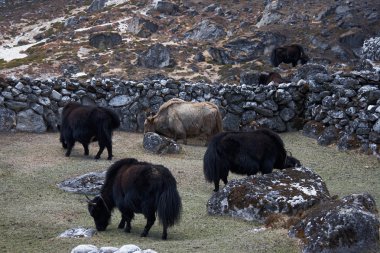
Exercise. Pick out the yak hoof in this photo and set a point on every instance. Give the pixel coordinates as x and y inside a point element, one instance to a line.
<point>97,157</point>
<point>127,230</point>
<point>109,158</point>
<point>143,234</point>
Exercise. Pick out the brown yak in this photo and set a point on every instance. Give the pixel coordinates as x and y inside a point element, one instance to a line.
<point>179,119</point>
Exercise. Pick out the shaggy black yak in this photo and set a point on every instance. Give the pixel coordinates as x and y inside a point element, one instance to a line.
<point>137,187</point>
<point>288,54</point>
<point>244,153</point>
<point>86,124</point>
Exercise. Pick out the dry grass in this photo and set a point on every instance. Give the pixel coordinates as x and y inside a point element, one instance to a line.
<point>34,211</point>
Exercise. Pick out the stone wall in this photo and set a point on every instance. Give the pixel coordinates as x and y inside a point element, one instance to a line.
<point>342,108</point>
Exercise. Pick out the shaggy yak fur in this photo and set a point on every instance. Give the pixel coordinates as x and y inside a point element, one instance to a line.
<point>179,119</point>
<point>85,124</point>
<point>244,153</point>
<point>137,187</point>
<point>272,76</point>
<point>288,54</point>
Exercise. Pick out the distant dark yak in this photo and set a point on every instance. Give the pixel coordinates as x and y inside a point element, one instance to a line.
<point>288,54</point>
<point>137,187</point>
<point>86,124</point>
<point>245,153</point>
<point>275,77</point>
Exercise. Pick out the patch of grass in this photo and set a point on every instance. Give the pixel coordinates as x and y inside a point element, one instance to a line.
<point>34,211</point>
<point>36,58</point>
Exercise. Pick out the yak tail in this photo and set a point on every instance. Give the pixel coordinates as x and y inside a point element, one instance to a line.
<point>169,204</point>
<point>211,159</point>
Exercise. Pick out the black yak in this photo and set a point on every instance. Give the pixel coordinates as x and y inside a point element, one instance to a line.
<point>265,78</point>
<point>86,124</point>
<point>137,187</point>
<point>244,153</point>
<point>288,54</point>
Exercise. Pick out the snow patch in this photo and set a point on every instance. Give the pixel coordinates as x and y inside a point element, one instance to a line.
<point>8,54</point>
<point>115,2</point>
<point>307,190</point>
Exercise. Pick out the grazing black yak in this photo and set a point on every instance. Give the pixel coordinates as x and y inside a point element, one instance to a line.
<point>288,54</point>
<point>272,76</point>
<point>85,124</point>
<point>244,153</point>
<point>137,187</point>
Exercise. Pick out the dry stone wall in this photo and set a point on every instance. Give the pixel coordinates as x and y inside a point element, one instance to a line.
<point>342,108</point>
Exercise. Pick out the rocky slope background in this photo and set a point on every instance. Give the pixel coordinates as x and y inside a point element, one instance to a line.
<point>216,42</point>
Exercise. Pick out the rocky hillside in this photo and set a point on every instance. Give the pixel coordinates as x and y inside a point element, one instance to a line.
<point>213,41</point>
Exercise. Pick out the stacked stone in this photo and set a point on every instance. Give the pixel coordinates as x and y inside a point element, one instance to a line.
<point>371,49</point>
<point>344,108</point>
<point>241,106</point>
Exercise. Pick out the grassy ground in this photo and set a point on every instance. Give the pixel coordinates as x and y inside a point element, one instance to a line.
<point>34,211</point>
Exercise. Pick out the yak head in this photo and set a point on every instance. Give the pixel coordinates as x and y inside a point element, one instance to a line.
<point>100,212</point>
<point>291,162</point>
<point>149,124</point>
<point>304,58</point>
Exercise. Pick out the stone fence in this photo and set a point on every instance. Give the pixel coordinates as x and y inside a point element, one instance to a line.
<point>341,108</point>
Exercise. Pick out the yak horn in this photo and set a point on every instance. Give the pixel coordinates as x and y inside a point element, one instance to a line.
<point>89,201</point>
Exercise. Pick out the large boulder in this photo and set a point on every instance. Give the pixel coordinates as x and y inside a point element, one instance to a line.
<point>348,225</point>
<point>309,71</point>
<point>167,7</point>
<point>271,14</point>
<point>371,49</point>
<point>157,56</point>
<point>205,30</point>
<point>243,49</point>
<point>157,144</point>
<point>89,183</point>
<point>105,40</point>
<point>141,27</point>
<point>96,5</point>
<point>7,119</point>
<point>29,121</point>
<point>289,192</point>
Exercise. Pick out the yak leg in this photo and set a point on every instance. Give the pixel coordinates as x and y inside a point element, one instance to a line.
<point>150,219</point>
<point>122,222</point>
<point>267,165</point>
<point>70,144</point>
<point>224,175</point>
<point>101,148</point>
<point>109,150</point>
<point>165,232</point>
<point>179,130</point>
<point>127,216</point>
<point>62,140</point>
<point>85,146</point>
<point>216,184</point>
